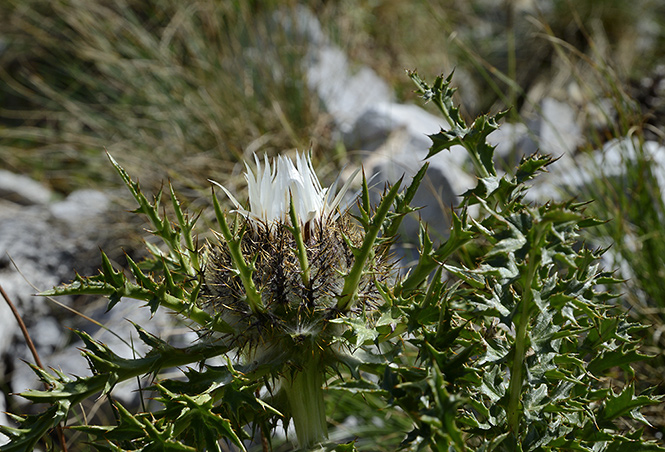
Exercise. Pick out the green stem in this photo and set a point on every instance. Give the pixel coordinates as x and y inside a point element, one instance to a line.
<point>188,310</point>
<point>429,262</point>
<point>440,102</point>
<point>304,392</point>
<point>76,391</point>
<point>362,255</point>
<point>162,226</point>
<point>137,292</point>
<point>300,244</point>
<point>475,159</point>
<point>444,111</point>
<point>186,226</point>
<point>517,368</point>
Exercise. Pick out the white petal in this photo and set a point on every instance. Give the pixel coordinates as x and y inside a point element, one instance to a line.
<point>332,206</point>
<point>228,193</point>
<point>272,184</point>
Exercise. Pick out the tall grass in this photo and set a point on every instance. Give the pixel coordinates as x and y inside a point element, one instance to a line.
<point>165,84</point>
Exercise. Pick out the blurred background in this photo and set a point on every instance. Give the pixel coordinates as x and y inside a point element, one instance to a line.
<point>183,92</point>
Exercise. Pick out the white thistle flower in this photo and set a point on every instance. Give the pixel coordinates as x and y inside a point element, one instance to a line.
<point>271,188</point>
<point>284,306</point>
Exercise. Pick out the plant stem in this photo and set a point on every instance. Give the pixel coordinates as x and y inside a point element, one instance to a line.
<point>352,280</point>
<point>517,368</point>
<point>471,149</point>
<point>35,355</point>
<point>300,244</point>
<point>24,330</point>
<point>186,227</point>
<point>304,391</point>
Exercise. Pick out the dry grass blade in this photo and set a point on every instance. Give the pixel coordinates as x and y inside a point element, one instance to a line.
<point>35,355</point>
<point>24,330</point>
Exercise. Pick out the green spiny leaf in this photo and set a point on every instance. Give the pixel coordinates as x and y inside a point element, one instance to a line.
<point>614,358</point>
<point>352,279</point>
<point>624,403</point>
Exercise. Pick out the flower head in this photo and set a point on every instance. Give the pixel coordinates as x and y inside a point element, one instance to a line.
<point>271,188</point>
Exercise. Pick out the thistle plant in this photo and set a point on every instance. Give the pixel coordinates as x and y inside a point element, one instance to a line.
<point>501,337</point>
<point>284,281</point>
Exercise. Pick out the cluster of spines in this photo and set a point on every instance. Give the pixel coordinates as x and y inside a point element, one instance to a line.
<point>290,302</point>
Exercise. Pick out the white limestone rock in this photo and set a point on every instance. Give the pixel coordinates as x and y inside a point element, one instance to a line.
<point>22,190</point>
<point>396,141</point>
<point>81,205</point>
<point>344,90</point>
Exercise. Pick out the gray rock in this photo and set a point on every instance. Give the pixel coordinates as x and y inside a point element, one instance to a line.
<point>22,190</point>
<point>512,141</point>
<point>67,360</point>
<point>47,242</point>
<point>48,336</point>
<point>345,92</point>
<point>34,245</point>
<point>81,205</point>
<point>121,336</point>
<point>559,134</point>
<point>555,131</point>
<point>567,176</point>
<point>396,137</point>
<point>118,334</point>
<point>374,126</point>
<point>41,245</point>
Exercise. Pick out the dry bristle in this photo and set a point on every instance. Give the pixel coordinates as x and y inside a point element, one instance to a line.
<point>294,312</point>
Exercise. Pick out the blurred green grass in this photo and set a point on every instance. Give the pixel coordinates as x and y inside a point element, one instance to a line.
<point>177,90</point>
<point>185,90</point>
